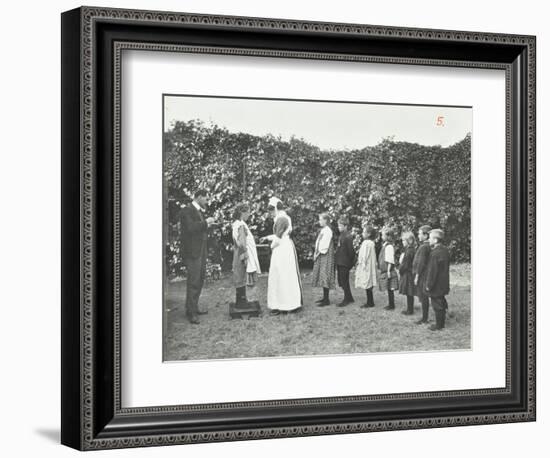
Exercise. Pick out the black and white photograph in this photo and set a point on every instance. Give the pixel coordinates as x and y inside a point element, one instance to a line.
<point>255,229</point>
<point>299,228</point>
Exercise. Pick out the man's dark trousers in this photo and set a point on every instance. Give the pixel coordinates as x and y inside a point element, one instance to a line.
<point>196,273</point>
<point>193,239</point>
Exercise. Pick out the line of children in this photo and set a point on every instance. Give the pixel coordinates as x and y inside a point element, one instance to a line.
<point>423,270</point>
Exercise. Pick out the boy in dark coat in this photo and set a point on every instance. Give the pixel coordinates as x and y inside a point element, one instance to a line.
<point>420,267</point>
<point>437,278</point>
<point>406,278</point>
<point>344,260</point>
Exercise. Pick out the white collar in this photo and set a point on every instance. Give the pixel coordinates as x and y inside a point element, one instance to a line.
<point>197,206</point>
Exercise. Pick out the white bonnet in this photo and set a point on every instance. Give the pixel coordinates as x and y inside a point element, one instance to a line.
<point>273,201</point>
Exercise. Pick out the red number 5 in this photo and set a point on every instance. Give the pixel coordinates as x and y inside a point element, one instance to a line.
<point>440,121</point>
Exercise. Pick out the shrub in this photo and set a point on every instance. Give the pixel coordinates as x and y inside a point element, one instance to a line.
<point>393,183</point>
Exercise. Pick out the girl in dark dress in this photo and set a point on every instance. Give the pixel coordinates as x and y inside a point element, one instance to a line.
<point>406,277</point>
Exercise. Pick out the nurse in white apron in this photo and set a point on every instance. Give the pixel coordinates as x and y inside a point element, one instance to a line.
<point>284,288</point>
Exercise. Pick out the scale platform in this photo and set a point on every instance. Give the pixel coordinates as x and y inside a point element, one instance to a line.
<point>252,309</point>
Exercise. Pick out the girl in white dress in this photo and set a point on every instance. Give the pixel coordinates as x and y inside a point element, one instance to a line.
<point>284,288</point>
<point>365,273</point>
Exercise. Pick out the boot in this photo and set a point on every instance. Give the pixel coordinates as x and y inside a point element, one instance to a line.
<point>410,306</point>
<point>439,321</point>
<point>370,299</point>
<point>325,300</point>
<point>425,311</point>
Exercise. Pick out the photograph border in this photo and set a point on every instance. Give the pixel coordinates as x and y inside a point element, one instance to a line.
<point>118,75</point>
<point>92,42</point>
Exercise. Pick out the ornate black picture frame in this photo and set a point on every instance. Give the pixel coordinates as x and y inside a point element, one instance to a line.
<point>92,41</point>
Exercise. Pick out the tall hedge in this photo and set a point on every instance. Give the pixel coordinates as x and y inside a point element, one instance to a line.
<point>397,184</point>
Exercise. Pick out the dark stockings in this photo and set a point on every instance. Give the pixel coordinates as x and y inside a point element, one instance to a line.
<point>370,297</point>
<point>410,304</point>
<point>391,299</point>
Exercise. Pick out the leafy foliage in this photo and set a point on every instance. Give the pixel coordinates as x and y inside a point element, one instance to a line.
<point>398,184</point>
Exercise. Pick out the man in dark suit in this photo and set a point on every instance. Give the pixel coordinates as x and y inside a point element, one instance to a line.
<point>194,226</point>
<point>420,267</point>
<point>344,258</point>
<point>437,278</point>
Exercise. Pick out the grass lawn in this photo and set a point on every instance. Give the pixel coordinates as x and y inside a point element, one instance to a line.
<point>314,331</point>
